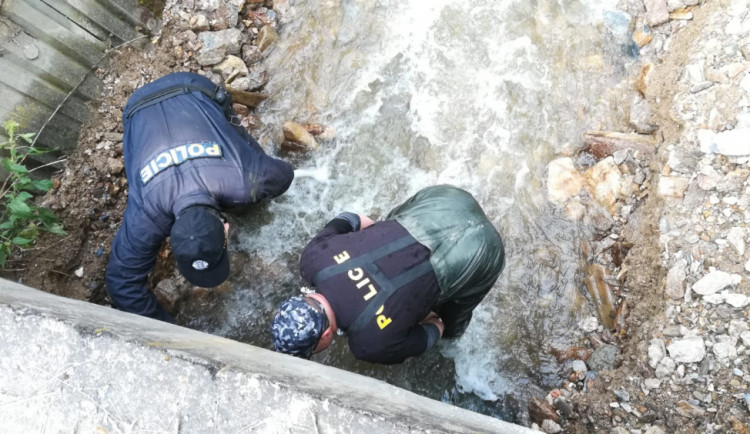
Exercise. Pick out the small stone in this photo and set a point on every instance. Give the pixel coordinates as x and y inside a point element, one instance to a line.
<point>666,367</point>
<point>673,186</point>
<point>551,427</point>
<point>652,383</point>
<point>676,276</point>
<point>745,338</point>
<point>738,372</point>
<point>687,409</point>
<point>656,12</point>
<point>681,16</point>
<point>726,349</point>
<point>79,272</point>
<point>231,66</point>
<point>199,23</point>
<point>540,410</point>
<point>708,178</point>
<point>736,238</point>
<point>589,324</point>
<point>656,352</point>
<point>622,395</point>
<point>700,87</point>
<point>641,37</point>
<point>603,358</point>
<point>691,349</point>
<point>715,281</point>
<point>216,45</point>
<point>640,116</point>
<point>296,133</point>
<point>643,78</point>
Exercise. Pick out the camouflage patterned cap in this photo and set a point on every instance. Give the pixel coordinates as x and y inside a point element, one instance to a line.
<point>297,327</point>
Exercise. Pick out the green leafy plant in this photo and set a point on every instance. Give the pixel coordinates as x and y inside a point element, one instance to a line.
<point>21,221</point>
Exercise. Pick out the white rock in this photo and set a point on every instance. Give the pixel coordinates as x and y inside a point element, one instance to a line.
<point>737,327</point>
<point>733,142</point>
<point>79,272</point>
<point>589,324</point>
<point>714,298</point>
<point>673,186</point>
<point>604,181</point>
<point>676,280</point>
<point>715,281</point>
<point>563,180</point>
<point>656,12</point>
<point>694,73</point>
<point>708,178</point>
<point>691,349</point>
<point>726,349</point>
<point>654,430</point>
<point>551,427</point>
<point>736,300</point>
<point>747,266</point>
<point>652,383</point>
<point>666,368</point>
<point>674,4</point>
<point>656,352</point>
<point>745,338</point>
<point>736,238</point>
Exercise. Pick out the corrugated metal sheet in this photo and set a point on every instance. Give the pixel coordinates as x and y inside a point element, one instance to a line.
<point>46,48</point>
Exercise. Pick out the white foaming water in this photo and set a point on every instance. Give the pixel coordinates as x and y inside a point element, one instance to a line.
<point>478,94</point>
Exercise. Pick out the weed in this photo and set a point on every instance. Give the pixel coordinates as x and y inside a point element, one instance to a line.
<point>21,221</point>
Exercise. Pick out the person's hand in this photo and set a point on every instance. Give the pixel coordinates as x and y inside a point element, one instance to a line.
<point>433,318</point>
<point>364,221</point>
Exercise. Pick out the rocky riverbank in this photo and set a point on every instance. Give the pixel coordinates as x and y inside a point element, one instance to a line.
<point>670,349</point>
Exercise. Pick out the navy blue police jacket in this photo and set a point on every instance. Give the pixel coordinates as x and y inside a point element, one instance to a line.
<point>180,150</point>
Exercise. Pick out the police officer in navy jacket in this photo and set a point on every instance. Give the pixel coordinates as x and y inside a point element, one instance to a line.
<point>186,163</point>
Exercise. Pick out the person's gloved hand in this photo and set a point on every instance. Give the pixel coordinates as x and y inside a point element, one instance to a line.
<point>352,218</point>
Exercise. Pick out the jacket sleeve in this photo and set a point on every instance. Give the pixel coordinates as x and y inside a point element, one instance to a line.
<point>277,177</point>
<point>311,261</point>
<point>133,255</point>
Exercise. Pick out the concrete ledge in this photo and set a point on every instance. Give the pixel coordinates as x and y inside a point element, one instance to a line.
<point>67,363</point>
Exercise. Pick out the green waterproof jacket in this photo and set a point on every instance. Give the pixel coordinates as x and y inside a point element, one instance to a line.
<point>467,251</point>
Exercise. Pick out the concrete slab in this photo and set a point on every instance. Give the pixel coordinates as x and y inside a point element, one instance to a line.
<point>67,365</point>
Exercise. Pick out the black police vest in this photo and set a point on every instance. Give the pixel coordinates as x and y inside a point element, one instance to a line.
<point>388,286</point>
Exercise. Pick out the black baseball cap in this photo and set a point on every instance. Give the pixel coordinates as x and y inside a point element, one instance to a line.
<point>199,245</point>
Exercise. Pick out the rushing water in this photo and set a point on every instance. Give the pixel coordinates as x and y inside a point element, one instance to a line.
<point>477,94</point>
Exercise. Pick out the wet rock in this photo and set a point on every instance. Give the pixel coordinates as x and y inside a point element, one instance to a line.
<point>715,281</point>
<point>604,180</point>
<point>251,54</point>
<point>577,353</point>
<point>656,352</point>
<point>249,99</point>
<point>676,280</point>
<point>296,133</point>
<point>673,186</point>
<point>240,109</point>
<point>640,116</point>
<point>551,427</point>
<point>603,359</point>
<point>255,79</point>
<point>563,180</point>
<point>689,410</point>
<point>231,66</point>
<point>601,295</point>
<point>216,45</point>
<point>540,410</point>
<point>266,37</point>
<point>691,349</point>
<point>732,142</point>
<point>168,293</point>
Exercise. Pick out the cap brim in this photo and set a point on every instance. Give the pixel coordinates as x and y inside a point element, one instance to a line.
<point>207,278</point>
